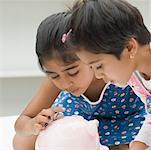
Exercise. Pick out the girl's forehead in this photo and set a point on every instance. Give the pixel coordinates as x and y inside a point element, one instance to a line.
<point>64,57</point>
<point>88,57</point>
<point>59,64</point>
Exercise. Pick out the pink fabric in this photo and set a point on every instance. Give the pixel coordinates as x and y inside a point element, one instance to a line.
<point>138,88</point>
<point>70,133</point>
<point>144,134</point>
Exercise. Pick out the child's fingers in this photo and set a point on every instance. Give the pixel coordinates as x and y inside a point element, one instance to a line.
<point>58,115</point>
<point>47,112</point>
<point>51,112</point>
<point>58,109</point>
<point>46,116</point>
<point>37,128</point>
<point>42,119</point>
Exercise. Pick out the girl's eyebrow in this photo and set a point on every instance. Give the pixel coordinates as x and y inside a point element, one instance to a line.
<point>94,61</point>
<point>72,67</point>
<point>69,68</point>
<point>47,71</point>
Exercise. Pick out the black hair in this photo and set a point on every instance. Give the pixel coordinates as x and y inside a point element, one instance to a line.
<point>105,26</point>
<point>49,43</point>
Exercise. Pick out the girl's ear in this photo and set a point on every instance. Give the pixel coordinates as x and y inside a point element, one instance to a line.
<point>132,48</point>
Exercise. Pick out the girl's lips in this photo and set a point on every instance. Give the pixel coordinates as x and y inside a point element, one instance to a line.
<point>74,91</point>
<point>77,92</point>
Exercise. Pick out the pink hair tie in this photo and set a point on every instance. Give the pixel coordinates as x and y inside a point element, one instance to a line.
<point>65,36</point>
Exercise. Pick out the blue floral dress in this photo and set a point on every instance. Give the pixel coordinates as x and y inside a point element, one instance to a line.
<point>119,111</point>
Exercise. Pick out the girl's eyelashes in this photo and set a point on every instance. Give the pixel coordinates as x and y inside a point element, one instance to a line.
<point>73,73</point>
<point>70,73</point>
<point>53,76</point>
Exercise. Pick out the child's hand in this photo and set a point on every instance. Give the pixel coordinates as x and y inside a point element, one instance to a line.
<point>45,117</point>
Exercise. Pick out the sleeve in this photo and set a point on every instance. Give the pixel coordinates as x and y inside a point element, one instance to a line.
<point>144,134</point>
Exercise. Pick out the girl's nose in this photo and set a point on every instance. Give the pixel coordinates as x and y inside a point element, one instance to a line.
<point>67,84</point>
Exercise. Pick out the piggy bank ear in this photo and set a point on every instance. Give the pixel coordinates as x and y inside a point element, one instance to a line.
<point>92,127</point>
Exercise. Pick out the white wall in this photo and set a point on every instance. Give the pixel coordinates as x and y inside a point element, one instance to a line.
<point>16,93</point>
<point>19,73</point>
<point>145,8</point>
<point>19,20</point>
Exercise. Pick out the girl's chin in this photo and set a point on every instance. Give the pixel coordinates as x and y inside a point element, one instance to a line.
<point>77,93</point>
<point>122,85</point>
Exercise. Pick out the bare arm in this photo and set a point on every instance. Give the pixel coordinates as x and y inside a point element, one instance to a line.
<point>36,113</point>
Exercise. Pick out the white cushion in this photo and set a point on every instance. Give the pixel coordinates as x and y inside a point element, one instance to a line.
<point>7,132</point>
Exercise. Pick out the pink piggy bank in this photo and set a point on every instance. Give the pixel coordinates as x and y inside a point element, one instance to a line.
<point>70,133</point>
